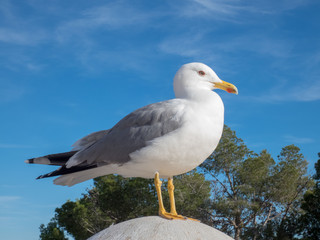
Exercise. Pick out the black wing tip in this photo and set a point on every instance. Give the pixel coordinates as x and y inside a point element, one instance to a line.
<point>64,170</point>
<point>29,161</point>
<point>51,174</point>
<point>57,159</point>
<point>40,177</point>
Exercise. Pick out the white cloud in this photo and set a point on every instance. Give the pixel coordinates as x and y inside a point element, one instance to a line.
<point>300,84</point>
<point>231,10</point>
<point>11,92</point>
<point>195,44</point>
<point>298,140</point>
<point>6,145</point>
<point>8,199</point>
<point>301,89</point>
<point>288,94</point>
<point>111,16</point>
<point>17,30</point>
<point>185,46</point>
<point>207,7</point>
<point>259,43</point>
<point>307,93</point>
<point>95,53</point>
<point>21,37</point>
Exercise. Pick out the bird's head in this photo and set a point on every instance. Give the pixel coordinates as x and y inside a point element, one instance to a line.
<point>198,76</point>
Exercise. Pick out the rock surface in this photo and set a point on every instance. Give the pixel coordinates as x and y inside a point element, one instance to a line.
<point>157,228</point>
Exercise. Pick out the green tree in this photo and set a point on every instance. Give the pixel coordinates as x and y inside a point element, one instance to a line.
<point>192,195</point>
<point>250,190</point>
<point>51,232</point>
<point>311,205</point>
<point>247,195</point>
<point>124,198</point>
<point>114,199</point>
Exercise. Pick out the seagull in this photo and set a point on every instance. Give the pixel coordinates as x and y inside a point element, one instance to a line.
<point>160,140</point>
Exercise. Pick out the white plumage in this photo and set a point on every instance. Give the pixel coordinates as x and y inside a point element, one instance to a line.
<point>170,137</point>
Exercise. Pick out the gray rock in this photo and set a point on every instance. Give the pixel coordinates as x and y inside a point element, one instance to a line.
<point>157,228</point>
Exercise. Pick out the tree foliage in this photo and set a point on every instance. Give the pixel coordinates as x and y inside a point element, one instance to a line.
<point>114,199</point>
<point>310,220</point>
<point>51,232</point>
<point>242,193</point>
<point>249,189</point>
<point>192,195</point>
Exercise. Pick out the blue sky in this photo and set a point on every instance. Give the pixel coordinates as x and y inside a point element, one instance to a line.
<point>69,68</point>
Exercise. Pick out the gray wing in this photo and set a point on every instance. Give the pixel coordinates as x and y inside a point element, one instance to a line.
<point>88,140</point>
<point>132,133</point>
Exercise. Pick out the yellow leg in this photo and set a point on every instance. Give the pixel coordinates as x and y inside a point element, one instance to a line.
<point>171,197</point>
<point>162,212</point>
<point>173,202</point>
<point>158,183</point>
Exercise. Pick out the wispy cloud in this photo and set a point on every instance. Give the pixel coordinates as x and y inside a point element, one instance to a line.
<point>212,9</point>
<point>194,44</point>
<point>111,16</point>
<point>300,86</point>
<point>11,92</point>
<point>304,93</point>
<point>298,140</point>
<point>288,94</point>
<point>6,201</point>
<point>185,46</point>
<point>258,43</point>
<point>4,145</point>
<point>17,30</point>
<point>231,10</point>
<point>108,20</point>
<point>21,37</point>
<point>19,61</point>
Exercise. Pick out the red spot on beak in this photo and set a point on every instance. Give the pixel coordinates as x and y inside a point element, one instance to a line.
<point>230,90</point>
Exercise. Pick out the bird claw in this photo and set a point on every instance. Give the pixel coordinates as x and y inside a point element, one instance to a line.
<point>172,216</point>
<point>193,219</point>
<point>175,216</point>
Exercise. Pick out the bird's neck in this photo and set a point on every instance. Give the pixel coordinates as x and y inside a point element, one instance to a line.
<point>199,95</point>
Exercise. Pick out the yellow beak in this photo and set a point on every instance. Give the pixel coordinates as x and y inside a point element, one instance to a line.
<point>230,88</point>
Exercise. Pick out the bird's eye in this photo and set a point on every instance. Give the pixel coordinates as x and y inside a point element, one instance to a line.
<point>201,73</point>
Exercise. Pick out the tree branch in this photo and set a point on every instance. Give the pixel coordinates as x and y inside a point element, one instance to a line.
<point>225,188</point>
<point>268,216</point>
